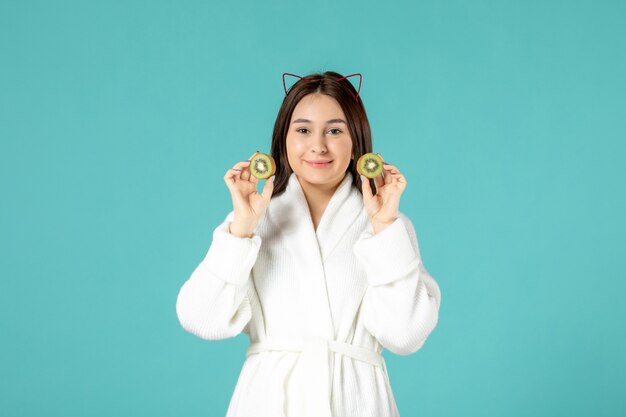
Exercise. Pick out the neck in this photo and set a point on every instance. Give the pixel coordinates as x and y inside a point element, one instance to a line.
<point>318,196</point>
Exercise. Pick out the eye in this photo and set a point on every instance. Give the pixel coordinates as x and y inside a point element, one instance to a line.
<point>300,129</point>
<point>338,131</point>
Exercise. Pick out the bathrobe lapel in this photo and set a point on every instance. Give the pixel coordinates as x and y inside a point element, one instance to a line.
<point>290,214</point>
<point>342,211</point>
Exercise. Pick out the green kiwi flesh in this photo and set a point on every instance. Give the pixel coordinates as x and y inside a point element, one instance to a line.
<point>262,166</point>
<point>370,165</point>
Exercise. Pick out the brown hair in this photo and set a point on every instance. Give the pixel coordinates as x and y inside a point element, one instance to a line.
<point>344,92</point>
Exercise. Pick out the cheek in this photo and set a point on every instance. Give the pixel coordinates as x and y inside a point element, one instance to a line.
<point>344,148</point>
<point>289,144</point>
<point>295,146</point>
<point>293,150</point>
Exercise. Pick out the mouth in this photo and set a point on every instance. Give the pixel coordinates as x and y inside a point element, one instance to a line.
<point>318,163</point>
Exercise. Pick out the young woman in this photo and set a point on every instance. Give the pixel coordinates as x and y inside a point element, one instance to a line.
<point>320,269</point>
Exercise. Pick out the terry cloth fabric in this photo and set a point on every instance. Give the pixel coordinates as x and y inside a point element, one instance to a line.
<point>319,306</point>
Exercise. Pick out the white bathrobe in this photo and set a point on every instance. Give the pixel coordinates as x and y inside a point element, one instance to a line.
<point>318,306</point>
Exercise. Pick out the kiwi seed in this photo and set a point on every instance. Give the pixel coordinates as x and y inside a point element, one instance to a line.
<point>262,166</point>
<point>370,165</point>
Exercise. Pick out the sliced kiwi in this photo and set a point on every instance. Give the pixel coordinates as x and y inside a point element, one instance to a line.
<point>262,166</point>
<point>370,165</point>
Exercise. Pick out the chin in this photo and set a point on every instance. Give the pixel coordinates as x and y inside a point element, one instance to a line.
<point>321,179</point>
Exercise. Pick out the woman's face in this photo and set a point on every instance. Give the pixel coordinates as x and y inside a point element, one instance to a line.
<point>319,146</point>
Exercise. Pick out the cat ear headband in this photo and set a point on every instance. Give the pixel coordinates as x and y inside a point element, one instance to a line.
<point>340,79</point>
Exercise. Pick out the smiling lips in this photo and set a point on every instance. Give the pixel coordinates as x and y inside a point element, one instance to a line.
<point>319,163</point>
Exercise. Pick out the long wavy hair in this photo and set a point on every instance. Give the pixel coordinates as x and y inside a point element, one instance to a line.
<point>344,92</point>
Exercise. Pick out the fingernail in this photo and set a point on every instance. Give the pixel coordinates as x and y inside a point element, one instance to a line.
<point>273,178</point>
<point>362,178</point>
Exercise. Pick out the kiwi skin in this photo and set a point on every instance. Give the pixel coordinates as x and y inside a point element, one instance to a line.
<point>363,165</point>
<point>262,166</point>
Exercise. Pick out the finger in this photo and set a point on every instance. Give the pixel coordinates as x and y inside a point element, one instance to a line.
<point>245,171</point>
<point>268,188</point>
<point>393,173</point>
<point>385,171</point>
<point>383,159</point>
<point>254,180</point>
<point>366,188</point>
<point>230,179</point>
<point>239,166</point>
<point>390,173</point>
<point>387,177</point>
<point>232,175</point>
<point>378,180</point>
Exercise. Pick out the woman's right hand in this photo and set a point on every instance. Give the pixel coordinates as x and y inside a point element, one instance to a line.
<point>249,206</point>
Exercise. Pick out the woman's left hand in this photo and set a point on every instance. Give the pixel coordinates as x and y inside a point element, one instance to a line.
<point>382,208</point>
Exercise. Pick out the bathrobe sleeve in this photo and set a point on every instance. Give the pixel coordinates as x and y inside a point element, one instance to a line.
<point>213,303</point>
<point>401,305</point>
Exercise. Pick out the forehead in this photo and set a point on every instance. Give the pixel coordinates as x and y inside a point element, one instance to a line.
<point>318,107</point>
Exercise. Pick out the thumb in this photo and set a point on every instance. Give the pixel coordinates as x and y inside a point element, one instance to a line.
<point>365,187</point>
<point>268,188</point>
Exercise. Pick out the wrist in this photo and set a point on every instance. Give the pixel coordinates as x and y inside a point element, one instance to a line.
<point>380,226</point>
<point>240,230</point>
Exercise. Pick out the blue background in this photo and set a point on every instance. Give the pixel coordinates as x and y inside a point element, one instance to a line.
<point>118,120</point>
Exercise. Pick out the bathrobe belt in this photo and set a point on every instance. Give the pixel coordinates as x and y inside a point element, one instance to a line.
<point>315,359</point>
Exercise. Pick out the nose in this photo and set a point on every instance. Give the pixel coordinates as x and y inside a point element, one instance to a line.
<point>319,143</point>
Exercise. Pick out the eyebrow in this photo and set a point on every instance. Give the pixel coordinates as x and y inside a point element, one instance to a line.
<point>328,122</point>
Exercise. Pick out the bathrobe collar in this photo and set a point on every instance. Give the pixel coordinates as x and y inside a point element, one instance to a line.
<point>289,214</point>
